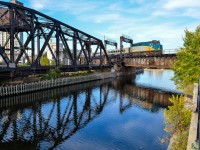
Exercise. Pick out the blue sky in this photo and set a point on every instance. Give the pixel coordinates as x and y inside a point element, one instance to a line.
<point>143,20</point>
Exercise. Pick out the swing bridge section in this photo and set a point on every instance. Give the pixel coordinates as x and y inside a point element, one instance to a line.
<point>38,29</point>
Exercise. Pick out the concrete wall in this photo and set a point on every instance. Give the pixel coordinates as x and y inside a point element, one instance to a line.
<point>194,121</point>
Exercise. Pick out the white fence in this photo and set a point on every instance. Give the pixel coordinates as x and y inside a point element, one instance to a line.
<point>41,85</point>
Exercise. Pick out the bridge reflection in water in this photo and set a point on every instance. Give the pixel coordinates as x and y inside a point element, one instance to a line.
<point>46,119</point>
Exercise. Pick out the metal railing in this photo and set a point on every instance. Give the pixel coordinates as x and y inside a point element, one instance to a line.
<point>198,111</point>
<point>170,51</point>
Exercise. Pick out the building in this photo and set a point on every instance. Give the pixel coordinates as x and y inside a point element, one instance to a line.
<point>53,47</point>
<point>63,56</point>
<point>6,21</point>
<point>4,36</point>
<point>16,2</point>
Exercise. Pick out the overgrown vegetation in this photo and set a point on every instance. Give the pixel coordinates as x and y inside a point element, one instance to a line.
<point>52,74</point>
<point>187,67</point>
<point>56,73</point>
<point>186,73</point>
<point>177,122</point>
<point>78,73</point>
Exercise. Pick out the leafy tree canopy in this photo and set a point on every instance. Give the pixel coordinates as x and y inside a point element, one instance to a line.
<point>187,67</point>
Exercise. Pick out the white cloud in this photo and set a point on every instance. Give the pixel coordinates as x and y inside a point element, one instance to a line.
<point>100,18</point>
<point>169,34</point>
<point>137,1</point>
<point>178,8</point>
<point>159,13</point>
<point>163,20</point>
<point>195,13</point>
<point>115,7</point>
<point>175,4</point>
<point>38,6</point>
<point>67,6</point>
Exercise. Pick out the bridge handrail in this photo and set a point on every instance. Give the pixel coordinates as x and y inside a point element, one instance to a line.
<point>198,111</point>
<point>170,51</point>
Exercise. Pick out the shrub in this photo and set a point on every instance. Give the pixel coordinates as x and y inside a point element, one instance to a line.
<point>52,74</point>
<point>177,121</point>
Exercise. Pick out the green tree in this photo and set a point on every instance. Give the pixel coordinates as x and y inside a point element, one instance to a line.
<point>44,61</point>
<point>187,67</point>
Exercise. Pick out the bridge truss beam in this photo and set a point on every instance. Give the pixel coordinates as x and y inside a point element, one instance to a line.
<point>39,29</point>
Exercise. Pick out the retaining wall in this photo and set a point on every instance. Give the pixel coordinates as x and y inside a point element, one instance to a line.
<point>41,85</point>
<point>194,121</point>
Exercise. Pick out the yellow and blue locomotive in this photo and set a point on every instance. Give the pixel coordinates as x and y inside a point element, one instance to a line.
<point>141,48</point>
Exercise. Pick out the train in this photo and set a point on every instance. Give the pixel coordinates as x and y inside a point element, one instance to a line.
<point>141,48</point>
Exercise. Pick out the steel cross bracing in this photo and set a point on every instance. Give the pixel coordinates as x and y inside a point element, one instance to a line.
<point>39,29</point>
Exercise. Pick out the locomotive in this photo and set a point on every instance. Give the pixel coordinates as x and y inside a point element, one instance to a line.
<point>141,48</point>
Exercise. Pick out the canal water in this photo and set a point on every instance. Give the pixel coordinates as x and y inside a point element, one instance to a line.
<point>125,113</point>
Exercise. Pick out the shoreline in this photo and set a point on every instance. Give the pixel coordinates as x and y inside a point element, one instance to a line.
<point>191,103</point>
<point>64,81</point>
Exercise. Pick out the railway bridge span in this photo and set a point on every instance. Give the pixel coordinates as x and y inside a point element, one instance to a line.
<point>164,61</point>
<point>78,48</point>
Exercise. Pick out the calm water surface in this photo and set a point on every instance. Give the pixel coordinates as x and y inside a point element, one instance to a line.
<point>157,79</point>
<point>115,114</point>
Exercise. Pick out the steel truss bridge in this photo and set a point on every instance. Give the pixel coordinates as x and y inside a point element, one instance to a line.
<point>37,30</point>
